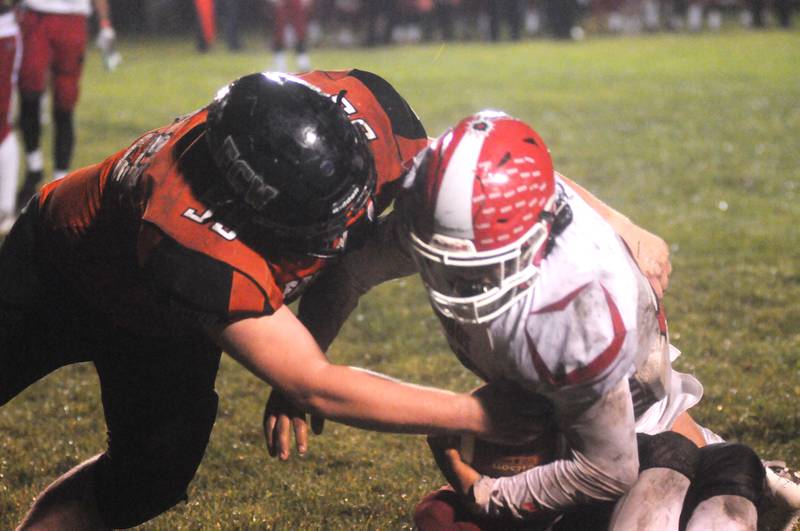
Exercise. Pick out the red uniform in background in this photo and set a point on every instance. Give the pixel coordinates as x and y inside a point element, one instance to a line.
<point>294,13</point>
<point>54,35</point>
<point>10,52</point>
<point>207,23</point>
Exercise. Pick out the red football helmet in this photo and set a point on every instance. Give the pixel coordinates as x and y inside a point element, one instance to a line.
<point>482,208</point>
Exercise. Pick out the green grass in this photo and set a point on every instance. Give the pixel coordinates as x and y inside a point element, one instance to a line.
<point>694,137</point>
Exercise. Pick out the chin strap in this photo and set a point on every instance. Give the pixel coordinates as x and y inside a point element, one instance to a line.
<point>559,219</point>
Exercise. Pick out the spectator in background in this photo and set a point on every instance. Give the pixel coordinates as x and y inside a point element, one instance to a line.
<point>511,10</point>
<point>10,50</point>
<point>445,14</point>
<point>561,17</point>
<point>382,17</point>
<point>292,13</point>
<point>441,14</point>
<point>206,24</point>
<point>783,10</point>
<point>698,10</point>
<point>231,18</point>
<point>54,36</point>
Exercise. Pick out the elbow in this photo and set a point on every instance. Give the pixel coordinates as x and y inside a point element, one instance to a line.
<point>623,477</point>
<point>626,475</point>
<point>609,479</point>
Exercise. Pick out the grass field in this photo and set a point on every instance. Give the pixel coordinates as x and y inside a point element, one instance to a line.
<point>694,137</point>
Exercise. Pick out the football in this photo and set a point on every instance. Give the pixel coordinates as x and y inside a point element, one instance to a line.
<point>498,460</point>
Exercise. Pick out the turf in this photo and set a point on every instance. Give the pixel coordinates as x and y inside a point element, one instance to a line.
<point>694,137</point>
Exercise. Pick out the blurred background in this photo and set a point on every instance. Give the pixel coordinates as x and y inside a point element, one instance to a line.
<point>373,22</point>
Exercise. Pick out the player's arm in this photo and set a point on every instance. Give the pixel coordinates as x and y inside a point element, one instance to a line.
<point>106,36</point>
<point>103,13</point>
<point>601,465</point>
<point>324,308</point>
<point>330,300</point>
<point>650,251</point>
<point>279,350</point>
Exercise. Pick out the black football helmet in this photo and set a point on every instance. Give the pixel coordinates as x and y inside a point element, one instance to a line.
<point>293,167</point>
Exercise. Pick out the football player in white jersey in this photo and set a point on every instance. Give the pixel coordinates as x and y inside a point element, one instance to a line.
<point>535,289</point>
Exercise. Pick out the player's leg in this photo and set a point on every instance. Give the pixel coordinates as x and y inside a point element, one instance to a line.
<point>495,9</point>
<point>783,483</point>
<point>38,321</point>
<point>667,464</point>
<point>160,406</point>
<point>32,83</point>
<point>69,46</point>
<point>67,503</point>
<point>515,14</point>
<point>41,329</point>
<point>280,18</point>
<point>728,486</point>
<point>299,13</point>
<point>10,55</point>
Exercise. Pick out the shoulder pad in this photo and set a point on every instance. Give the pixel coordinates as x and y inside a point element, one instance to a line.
<point>576,340</point>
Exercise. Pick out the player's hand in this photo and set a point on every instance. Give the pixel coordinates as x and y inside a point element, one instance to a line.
<point>105,39</point>
<point>281,418</point>
<point>514,415</point>
<point>459,474</point>
<point>651,254</point>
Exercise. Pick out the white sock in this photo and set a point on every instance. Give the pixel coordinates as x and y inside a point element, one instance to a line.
<point>724,513</point>
<point>34,160</point>
<point>279,62</point>
<point>715,19</point>
<point>9,174</point>
<point>303,62</point>
<point>650,15</point>
<point>654,502</point>
<point>59,174</point>
<point>695,17</point>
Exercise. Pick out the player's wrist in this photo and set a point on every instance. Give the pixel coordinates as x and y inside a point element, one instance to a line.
<point>479,495</point>
<point>472,411</point>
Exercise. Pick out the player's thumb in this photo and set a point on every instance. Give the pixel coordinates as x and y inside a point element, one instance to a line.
<point>317,424</point>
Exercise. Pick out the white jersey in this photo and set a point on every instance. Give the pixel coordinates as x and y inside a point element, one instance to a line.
<point>589,321</point>
<point>8,25</point>
<point>590,325</point>
<point>588,337</point>
<point>60,7</point>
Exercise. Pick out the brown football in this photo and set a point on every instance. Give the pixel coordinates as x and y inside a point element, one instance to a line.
<point>496,460</point>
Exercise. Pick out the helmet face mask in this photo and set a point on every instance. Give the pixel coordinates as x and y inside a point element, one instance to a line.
<point>481,213</point>
<point>474,287</point>
<point>295,173</point>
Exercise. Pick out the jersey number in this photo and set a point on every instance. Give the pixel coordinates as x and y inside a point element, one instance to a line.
<point>350,110</point>
<point>205,217</point>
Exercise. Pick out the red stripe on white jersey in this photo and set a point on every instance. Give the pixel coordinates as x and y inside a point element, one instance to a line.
<point>599,364</point>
